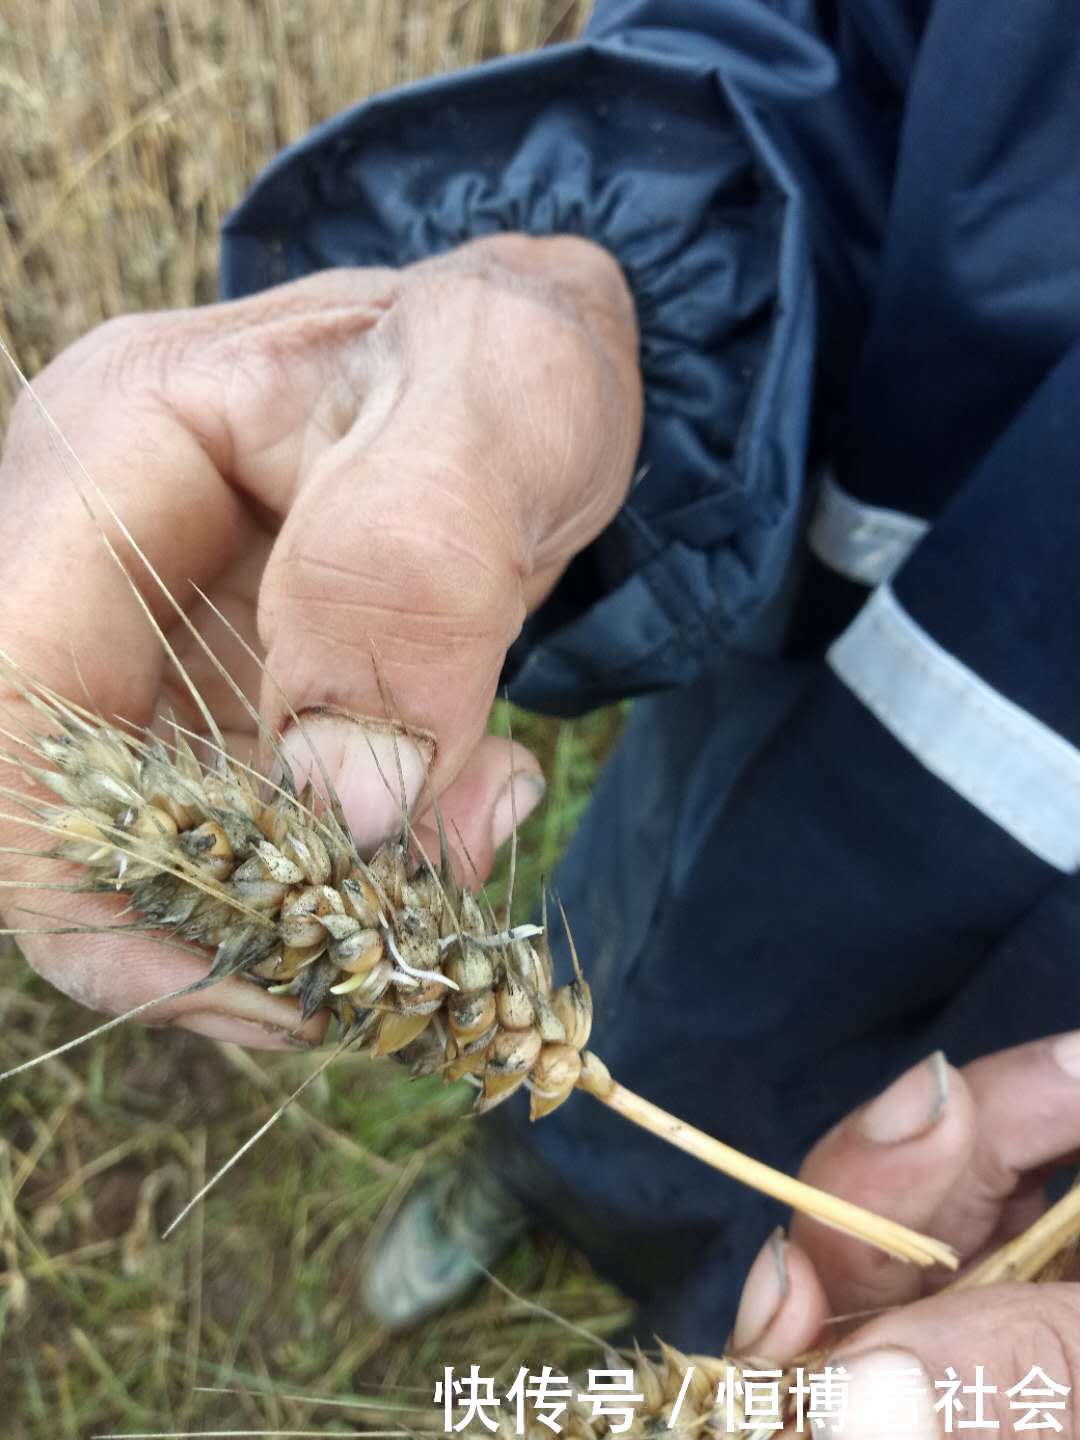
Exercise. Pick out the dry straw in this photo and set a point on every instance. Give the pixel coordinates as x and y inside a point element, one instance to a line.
<point>129,130</point>
<point>679,1395</point>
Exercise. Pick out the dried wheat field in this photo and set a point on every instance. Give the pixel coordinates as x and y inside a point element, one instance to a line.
<point>127,130</point>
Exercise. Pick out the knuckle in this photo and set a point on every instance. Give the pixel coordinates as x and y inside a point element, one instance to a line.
<point>1025,1326</point>
<point>518,351</point>
<point>66,374</point>
<point>115,345</point>
<point>1012,1327</point>
<point>319,316</point>
<point>478,297</point>
<point>1051,1332</point>
<point>576,271</point>
<point>140,354</point>
<point>542,361</point>
<point>409,581</point>
<point>124,332</point>
<point>254,343</point>
<point>113,360</point>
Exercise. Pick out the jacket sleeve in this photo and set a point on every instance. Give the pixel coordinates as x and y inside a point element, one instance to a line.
<point>640,137</point>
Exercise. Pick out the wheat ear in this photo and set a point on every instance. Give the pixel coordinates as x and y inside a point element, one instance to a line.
<point>409,963</point>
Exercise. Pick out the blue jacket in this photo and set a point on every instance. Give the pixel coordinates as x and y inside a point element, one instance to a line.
<point>846,826</point>
<point>883,195</point>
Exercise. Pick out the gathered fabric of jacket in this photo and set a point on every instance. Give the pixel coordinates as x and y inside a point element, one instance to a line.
<point>842,828</point>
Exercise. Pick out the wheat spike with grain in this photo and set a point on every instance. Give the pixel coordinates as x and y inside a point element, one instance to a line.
<point>409,963</point>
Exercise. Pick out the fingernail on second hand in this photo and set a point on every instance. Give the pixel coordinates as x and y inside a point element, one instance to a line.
<point>1066,1051</point>
<point>911,1106</point>
<point>516,802</point>
<point>887,1393</point>
<point>238,1030</point>
<point>767,1287</point>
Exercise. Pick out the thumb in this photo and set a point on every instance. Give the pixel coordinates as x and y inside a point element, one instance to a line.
<point>386,616</point>
<point>495,415</point>
<point>1003,1359</point>
<point>902,1155</point>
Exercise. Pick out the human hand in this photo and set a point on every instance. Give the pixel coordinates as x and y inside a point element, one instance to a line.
<point>962,1155</point>
<point>387,465</point>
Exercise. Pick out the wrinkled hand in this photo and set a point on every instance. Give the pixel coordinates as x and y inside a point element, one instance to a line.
<point>962,1155</point>
<point>387,465</point>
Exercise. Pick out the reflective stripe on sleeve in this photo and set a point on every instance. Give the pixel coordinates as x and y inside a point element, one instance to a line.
<point>865,543</point>
<point>1021,774</point>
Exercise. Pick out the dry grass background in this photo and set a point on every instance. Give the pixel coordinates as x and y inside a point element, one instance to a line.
<point>127,129</point>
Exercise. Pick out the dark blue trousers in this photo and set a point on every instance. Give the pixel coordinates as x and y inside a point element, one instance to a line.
<point>779,910</point>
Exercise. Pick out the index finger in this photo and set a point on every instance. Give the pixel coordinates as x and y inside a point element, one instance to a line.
<point>108,464</point>
<point>70,619</point>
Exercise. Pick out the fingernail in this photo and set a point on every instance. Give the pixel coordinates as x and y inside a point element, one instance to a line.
<point>888,1394</point>
<point>220,1025</point>
<point>1066,1051</point>
<point>766,1288</point>
<point>370,764</point>
<point>911,1106</point>
<point>520,797</point>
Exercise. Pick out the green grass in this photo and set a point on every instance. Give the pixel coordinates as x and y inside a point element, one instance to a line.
<point>571,754</point>
<point>103,1327</point>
